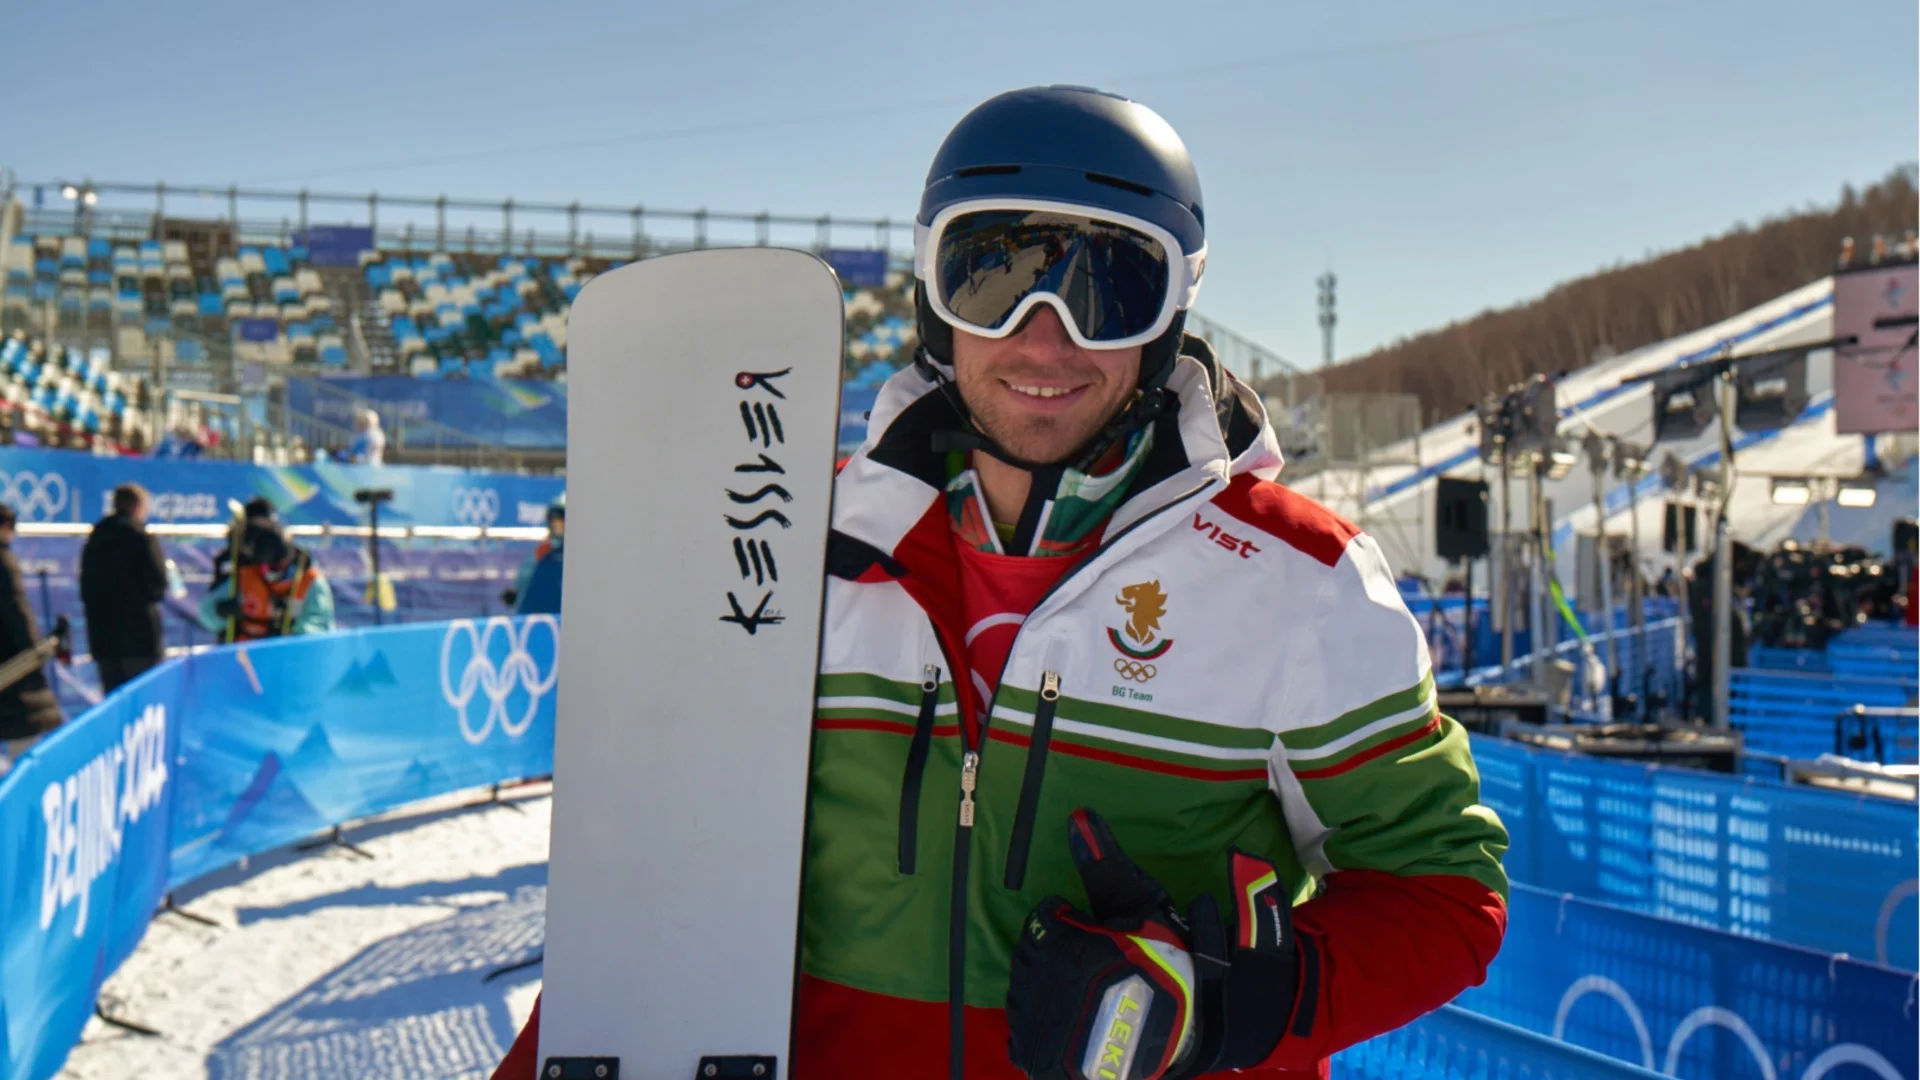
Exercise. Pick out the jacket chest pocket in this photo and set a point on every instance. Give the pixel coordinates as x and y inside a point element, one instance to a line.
<point>912,779</point>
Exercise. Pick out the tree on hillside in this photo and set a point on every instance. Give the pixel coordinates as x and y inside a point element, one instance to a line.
<point>1626,307</point>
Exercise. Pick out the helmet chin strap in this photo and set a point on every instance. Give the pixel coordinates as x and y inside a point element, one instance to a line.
<point>1146,408</point>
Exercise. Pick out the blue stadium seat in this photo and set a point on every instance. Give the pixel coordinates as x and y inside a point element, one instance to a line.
<point>212,304</point>
<point>276,261</point>
<point>298,253</point>
<point>99,248</point>
<point>379,275</point>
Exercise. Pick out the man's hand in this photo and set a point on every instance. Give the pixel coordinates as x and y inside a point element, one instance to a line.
<point>1104,995</point>
<point>1136,991</point>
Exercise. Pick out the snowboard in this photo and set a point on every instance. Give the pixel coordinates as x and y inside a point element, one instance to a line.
<point>702,429</point>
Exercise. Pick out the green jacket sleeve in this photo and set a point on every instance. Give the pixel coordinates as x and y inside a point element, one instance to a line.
<point>316,612</point>
<point>210,620</point>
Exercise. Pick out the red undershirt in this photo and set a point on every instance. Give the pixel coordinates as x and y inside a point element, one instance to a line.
<point>996,594</point>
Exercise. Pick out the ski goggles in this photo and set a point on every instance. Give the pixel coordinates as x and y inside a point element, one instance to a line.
<point>1116,281</point>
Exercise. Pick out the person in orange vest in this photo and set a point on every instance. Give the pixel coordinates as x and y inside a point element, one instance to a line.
<point>274,591</point>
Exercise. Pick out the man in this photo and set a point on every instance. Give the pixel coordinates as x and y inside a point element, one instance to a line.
<point>28,708</point>
<point>1100,702</point>
<point>536,588</point>
<point>259,510</point>
<point>274,591</point>
<point>369,446</point>
<point>123,577</point>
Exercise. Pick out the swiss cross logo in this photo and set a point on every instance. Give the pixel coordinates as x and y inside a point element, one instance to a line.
<point>1224,538</point>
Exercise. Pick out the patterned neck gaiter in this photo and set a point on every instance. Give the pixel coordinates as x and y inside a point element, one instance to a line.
<point>1080,506</point>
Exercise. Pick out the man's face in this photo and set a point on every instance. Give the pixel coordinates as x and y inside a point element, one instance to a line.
<point>139,514</point>
<point>1036,393</point>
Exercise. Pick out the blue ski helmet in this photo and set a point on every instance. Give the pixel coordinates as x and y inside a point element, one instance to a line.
<point>1070,144</point>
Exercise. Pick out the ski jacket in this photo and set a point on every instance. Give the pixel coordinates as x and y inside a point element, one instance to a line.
<point>270,604</point>
<point>1231,667</point>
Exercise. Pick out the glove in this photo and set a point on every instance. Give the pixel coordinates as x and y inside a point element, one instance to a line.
<point>509,597</point>
<point>1135,990</point>
<point>225,608</point>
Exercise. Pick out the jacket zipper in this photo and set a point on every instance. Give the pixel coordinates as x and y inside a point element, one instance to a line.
<point>916,768</point>
<point>963,829</point>
<point>1030,784</point>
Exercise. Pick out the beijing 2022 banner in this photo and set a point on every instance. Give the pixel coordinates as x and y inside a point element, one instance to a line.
<point>66,486</point>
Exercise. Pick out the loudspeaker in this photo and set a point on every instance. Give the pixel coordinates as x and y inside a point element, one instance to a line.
<point>1685,404</point>
<point>1460,519</point>
<point>1906,537</point>
<point>1680,534</point>
<point>1773,391</point>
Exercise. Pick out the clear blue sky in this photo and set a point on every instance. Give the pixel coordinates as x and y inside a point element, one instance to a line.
<point>1442,157</point>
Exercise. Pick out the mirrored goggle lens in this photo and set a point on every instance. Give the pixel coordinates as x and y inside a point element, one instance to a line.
<point>1114,279</point>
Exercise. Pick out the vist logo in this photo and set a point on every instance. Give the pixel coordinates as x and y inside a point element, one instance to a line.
<point>1224,538</point>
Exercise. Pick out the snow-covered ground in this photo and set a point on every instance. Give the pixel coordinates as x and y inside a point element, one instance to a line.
<point>327,965</point>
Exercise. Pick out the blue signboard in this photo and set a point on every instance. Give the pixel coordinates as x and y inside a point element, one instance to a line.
<point>525,414</point>
<point>858,268</point>
<point>337,245</point>
<point>63,486</point>
<point>257,329</point>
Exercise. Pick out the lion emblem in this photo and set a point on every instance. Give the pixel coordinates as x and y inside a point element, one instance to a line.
<point>1146,605</point>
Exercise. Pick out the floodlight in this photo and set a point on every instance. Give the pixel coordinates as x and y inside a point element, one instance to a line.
<point>1856,494</point>
<point>1790,491</point>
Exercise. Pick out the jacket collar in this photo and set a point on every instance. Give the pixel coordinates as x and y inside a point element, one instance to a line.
<point>892,482</point>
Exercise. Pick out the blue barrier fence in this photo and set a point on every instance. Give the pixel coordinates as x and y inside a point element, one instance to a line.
<point>1453,1042</point>
<point>1796,715</point>
<point>228,753</point>
<point>1694,1003</point>
<point>1818,869</point>
<point>67,486</point>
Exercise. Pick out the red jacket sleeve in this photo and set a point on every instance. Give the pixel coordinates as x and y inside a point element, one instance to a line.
<point>1386,950</point>
<point>523,1061</point>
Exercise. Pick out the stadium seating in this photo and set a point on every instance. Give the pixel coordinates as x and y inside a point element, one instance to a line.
<point>433,315</point>
<point>63,398</point>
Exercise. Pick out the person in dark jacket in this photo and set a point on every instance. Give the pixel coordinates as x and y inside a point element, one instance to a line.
<point>258,511</point>
<point>123,577</point>
<point>27,708</point>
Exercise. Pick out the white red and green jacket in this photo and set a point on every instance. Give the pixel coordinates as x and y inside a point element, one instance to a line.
<point>1281,702</point>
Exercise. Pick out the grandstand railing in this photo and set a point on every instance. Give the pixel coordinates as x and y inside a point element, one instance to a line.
<point>444,223</point>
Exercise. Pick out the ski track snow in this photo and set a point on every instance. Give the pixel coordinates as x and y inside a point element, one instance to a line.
<point>327,965</point>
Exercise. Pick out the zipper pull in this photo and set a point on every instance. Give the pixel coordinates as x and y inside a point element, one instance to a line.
<point>1050,686</point>
<point>930,682</point>
<point>969,776</point>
